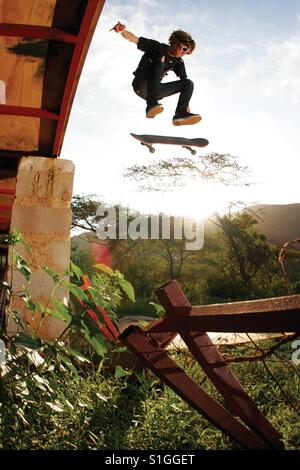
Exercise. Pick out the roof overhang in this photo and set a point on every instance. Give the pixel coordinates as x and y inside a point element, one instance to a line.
<point>42,50</point>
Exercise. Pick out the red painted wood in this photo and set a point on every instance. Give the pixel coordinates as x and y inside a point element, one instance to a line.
<point>7,191</point>
<point>27,111</point>
<point>90,12</point>
<point>38,32</point>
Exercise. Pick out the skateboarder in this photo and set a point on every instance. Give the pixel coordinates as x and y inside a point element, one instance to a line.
<point>157,61</point>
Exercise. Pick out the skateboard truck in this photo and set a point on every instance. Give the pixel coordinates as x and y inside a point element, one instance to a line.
<point>149,146</point>
<point>193,151</point>
<point>152,149</point>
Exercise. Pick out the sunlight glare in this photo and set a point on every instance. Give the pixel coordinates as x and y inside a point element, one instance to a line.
<point>196,201</point>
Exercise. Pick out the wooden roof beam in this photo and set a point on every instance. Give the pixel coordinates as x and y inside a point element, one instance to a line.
<point>28,112</point>
<point>37,32</point>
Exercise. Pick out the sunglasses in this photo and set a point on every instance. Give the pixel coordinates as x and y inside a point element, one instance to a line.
<point>185,49</point>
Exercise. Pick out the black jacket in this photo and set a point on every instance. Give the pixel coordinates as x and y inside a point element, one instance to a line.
<point>154,51</point>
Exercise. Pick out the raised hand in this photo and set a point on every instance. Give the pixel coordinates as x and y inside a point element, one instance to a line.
<point>118,28</point>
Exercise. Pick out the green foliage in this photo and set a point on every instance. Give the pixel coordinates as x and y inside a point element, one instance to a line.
<point>247,265</point>
<point>53,396</point>
<point>82,259</point>
<point>93,409</point>
<point>33,362</point>
<point>118,277</point>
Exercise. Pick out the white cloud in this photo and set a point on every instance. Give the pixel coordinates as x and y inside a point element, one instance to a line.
<point>274,70</point>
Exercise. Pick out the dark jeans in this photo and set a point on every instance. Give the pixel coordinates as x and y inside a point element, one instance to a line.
<point>152,89</point>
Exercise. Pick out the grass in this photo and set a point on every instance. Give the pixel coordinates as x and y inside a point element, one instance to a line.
<point>101,411</point>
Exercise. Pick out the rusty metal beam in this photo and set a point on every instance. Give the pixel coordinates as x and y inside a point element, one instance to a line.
<point>279,314</point>
<point>37,32</point>
<point>157,360</point>
<point>205,352</point>
<point>173,299</point>
<point>271,322</point>
<point>274,304</point>
<point>214,365</point>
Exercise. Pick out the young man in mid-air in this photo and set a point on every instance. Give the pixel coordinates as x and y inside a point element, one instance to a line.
<point>158,59</point>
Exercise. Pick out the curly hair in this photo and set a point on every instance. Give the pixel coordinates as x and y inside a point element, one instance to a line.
<point>181,37</point>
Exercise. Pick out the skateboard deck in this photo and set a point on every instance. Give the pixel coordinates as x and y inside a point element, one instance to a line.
<point>149,140</point>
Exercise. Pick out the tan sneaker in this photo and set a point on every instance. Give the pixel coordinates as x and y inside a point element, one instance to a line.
<point>153,110</point>
<point>186,118</point>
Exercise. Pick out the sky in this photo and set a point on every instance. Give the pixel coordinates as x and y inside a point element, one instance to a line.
<point>246,72</point>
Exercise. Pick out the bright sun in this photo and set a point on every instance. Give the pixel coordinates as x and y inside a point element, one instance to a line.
<point>196,201</point>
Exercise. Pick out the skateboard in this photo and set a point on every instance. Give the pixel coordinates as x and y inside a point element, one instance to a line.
<point>149,140</point>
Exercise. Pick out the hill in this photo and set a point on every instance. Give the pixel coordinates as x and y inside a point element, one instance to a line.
<point>280,223</point>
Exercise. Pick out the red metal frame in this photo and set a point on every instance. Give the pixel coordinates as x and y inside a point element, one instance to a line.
<point>28,112</point>
<point>81,43</point>
<point>266,316</point>
<point>36,32</point>
<point>90,14</point>
<point>214,365</point>
<point>158,361</point>
<point>148,345</point>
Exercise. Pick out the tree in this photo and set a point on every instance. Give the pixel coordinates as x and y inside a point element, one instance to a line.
<point>171,174</point>
<point>248,263</point>
<point>84,209</point>
<point>170,254</point>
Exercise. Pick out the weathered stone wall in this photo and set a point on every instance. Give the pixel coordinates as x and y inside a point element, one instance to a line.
<point>41,212</point>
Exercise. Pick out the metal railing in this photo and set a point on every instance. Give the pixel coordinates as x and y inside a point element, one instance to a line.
<point>253,430</point>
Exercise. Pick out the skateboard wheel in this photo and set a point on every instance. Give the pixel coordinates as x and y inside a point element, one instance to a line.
<point>193,152</point>
<point>151,150</point>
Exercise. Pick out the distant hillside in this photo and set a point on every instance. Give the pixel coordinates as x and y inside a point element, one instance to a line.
<point>280,223</point>
<point>83,241</point>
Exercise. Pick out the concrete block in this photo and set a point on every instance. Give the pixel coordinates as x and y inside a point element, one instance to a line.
<point>41,220</point>
<point>41,285</point>
<point>50,328</point>
<point>41,211</point>
<point>46,180</point>
<point>58,254</point>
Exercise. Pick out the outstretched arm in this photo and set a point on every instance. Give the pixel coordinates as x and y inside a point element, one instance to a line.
<point>121,28</point>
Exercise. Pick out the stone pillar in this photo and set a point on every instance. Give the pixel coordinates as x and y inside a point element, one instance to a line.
<point>41,212</point>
